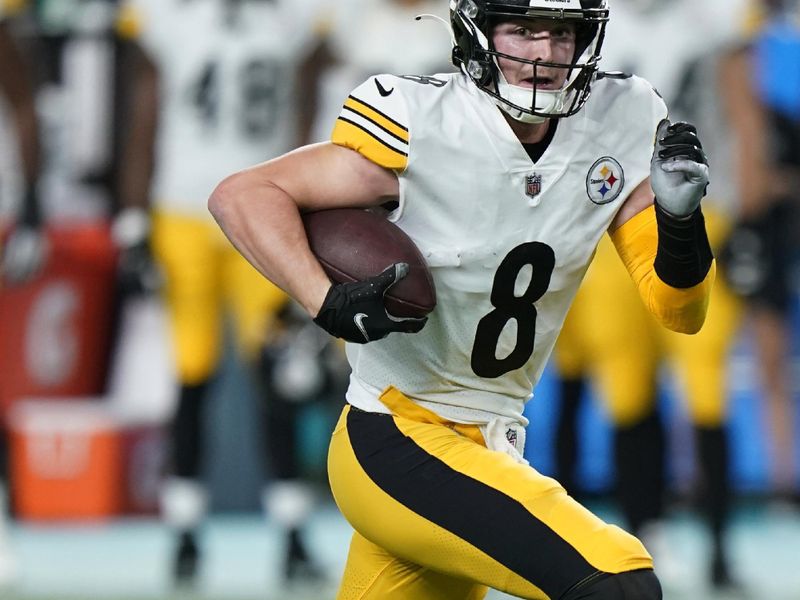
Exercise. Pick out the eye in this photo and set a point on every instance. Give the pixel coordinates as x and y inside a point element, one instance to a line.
<point>522,31</point>
<point>563,33</point>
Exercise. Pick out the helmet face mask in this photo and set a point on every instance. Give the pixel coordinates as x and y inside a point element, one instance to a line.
<point>473,23</point>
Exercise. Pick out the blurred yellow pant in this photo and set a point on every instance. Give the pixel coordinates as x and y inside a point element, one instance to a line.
<point>610,335</point>
<point>205,278</point>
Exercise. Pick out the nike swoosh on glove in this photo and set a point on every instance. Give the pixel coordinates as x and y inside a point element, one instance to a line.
<point>355,311</point>
<point>678,169</point>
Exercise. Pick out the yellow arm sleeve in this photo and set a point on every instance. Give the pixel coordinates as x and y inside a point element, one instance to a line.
<point>682,310</point>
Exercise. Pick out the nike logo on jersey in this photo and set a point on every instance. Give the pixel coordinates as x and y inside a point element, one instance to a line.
<point>382,90</point>
<point>359,318</point>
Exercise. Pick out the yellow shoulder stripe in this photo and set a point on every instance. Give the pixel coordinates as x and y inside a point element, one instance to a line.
<point>381,120</point>
<point>351,135</point>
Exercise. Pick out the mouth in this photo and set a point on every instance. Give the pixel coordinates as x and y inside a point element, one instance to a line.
<point>541,82</point>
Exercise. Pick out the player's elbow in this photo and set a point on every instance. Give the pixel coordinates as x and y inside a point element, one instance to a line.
<point>234,197</point>
<point>687,318</point>
<point>689,326</point>
<point>225,200</point>
<point>682,310</point>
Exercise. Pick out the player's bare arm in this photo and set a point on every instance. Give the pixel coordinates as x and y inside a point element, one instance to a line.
<point>25,250</point>
<point>639,199</point>
<point>16,87</point>
<point>259,210</point>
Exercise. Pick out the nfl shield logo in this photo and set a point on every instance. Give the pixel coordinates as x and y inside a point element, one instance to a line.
<point>511,436</point>
<point>533,185</point>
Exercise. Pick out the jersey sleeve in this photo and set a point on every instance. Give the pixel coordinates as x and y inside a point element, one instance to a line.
<point>644,110</point>
<point>374,122</point>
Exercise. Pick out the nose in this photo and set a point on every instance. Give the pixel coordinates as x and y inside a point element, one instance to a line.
<point>540,47</point>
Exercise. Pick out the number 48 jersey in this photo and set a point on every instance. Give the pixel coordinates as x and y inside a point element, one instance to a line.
<point>227,77</point>
<point>507,241</point>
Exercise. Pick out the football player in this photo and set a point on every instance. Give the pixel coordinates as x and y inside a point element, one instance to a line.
<point>767,237</point>
<point>23,249</point>
<point>705,81</point>
<point>53,65</point>
<point>381,46</point>
<point>216,91</point>
<point>383,29</point>
<point>507,174</point>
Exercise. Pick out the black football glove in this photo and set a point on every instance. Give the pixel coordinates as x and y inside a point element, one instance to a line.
<point>355,311</point>
<point>678,169</point>
<point>137,271</point>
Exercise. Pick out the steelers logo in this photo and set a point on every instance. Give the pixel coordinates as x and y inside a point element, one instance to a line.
<point>605,180</point>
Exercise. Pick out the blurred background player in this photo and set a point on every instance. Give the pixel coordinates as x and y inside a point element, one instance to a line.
<point>23,247</point>
<point>702,70</point>
<point>219,85</point>
<point>23,251</point>
<point>366,37</point>
<point>762,252</point>
<point>57,61</point>
<point>302,364</point>
<point>301,367</point>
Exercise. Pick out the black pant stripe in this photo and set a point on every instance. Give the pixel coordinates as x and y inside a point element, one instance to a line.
<point>477,513</point>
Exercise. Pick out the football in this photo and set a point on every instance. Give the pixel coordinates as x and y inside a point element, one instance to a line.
<point>353,244</point>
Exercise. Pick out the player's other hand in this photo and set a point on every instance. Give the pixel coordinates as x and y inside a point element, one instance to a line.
<point>137,271</point>
<point>679,168</point>
<point>355,311</point>
<point>24,254</point>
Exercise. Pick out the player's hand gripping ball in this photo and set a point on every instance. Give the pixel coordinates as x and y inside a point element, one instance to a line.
<point>381,282</point>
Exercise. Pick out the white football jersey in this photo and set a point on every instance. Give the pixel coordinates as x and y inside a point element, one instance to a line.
<point>75,105</point>
<point>227,77</point>
<point>682,62</point>
<point>507,241</point>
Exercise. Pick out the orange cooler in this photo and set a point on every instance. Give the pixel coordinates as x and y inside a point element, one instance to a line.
<point>66,460</point>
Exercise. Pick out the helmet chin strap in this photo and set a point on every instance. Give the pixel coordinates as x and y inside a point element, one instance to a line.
<point>550,101</point>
